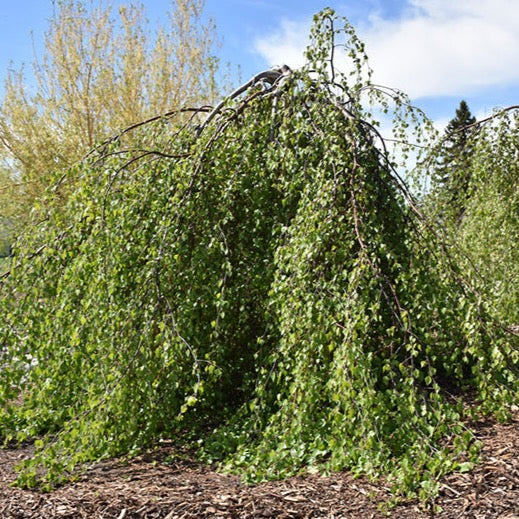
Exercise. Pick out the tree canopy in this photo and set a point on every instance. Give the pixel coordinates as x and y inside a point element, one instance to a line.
<point>102,69</point>
<point>254,280</point>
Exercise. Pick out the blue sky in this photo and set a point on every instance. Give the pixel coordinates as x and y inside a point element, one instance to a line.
<point>438,51</point>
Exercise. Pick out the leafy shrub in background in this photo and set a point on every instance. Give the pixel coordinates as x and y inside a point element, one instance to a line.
<point>484,239</point>
<point>255,278</point>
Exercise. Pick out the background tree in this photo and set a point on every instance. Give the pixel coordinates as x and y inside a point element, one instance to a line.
<point>475,198</point>
<point>487,237</point>
<point>453,172</point>
<point>102,70</point>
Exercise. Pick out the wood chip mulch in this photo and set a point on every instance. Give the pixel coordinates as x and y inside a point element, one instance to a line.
<point>146,487</point>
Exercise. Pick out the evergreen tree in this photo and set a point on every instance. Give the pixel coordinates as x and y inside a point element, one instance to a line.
<point>454,165</point>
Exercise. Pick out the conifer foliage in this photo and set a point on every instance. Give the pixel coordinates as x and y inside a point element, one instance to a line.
<point>252,278</point>
<point>454,164</point>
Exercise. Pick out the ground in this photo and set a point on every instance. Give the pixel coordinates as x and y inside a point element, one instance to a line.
<point>153,486</point>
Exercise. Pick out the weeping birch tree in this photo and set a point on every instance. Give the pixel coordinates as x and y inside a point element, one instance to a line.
<point>255,281</point>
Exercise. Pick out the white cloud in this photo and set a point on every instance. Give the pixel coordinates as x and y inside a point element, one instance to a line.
<point>286,46</point>
<point>441,124</point>
<point>437,47</point>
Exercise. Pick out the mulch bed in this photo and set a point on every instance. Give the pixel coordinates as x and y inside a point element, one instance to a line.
<point>147,487</point>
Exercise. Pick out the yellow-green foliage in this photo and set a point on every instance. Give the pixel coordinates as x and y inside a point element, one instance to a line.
<point>102,69</point>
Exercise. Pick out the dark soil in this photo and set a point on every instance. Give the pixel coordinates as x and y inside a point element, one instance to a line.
<point>148,487</point>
